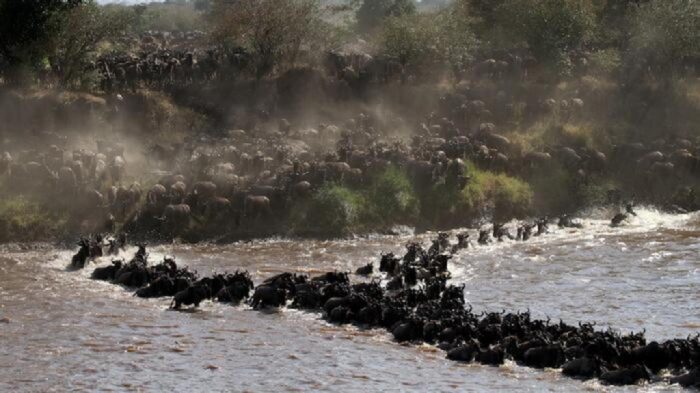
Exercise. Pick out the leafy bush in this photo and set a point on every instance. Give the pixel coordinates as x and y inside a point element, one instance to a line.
<point>372,13</point>
<point>665,33</point>
<point>456,40</point>
<point>26,30</point>
<point>595,192</point>
<point>410,39</point>
<point>332,211</point>
<point>507,196</point>
<point>336,210</point>
<point>391,198</point>
<point>607,61</point>
<point>76,42</point>
<point>24,220</point>
<point>271,31</point>
<point>551,28</point>
<point>487,193</point>
<point>439,206</point>
<point>556,190</point>
<point>438,37</point>
<point>485,10</point>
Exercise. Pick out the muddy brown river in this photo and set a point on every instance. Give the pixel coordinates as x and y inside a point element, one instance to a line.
<point>61,331</point>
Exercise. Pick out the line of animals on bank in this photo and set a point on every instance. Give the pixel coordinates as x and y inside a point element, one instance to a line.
<point>417,305</point>
<point>161,61</point>
<point>161,58</point>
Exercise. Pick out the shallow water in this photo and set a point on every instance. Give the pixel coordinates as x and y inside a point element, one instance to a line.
<point>61,331</point>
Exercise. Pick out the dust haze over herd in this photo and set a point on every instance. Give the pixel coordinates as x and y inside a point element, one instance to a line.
<point>419,148</point>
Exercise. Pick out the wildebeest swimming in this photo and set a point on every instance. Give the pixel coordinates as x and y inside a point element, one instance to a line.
<point>411,298</point>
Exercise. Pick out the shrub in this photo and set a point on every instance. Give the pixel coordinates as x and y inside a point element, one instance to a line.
<point>372,13</point>
<point>441,205</point>
<point>441,37</point>
<point>271,31</point>
<point>506,196</point>
<point>664,35</point>
<point>607,61</point>
<point>76,43</point>
<point>456,40</point>
<point>332,211</point>
<point>391,198</point>
<point>595,192</point>
<point>24,220</point>
<point>410,39</point>
<point>551,28</point>
<point>26,30</point>
<point>487,193</point>
<point>556,190</point>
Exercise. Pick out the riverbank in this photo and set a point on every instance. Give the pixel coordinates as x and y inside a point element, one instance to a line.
<point>336,210</point>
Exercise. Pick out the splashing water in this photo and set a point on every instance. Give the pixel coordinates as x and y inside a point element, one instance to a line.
<point>62,331</point>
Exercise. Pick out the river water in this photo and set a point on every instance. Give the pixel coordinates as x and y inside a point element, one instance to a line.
<point>61,331</point>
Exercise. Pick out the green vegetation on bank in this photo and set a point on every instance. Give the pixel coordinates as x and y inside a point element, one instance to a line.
<point>506,196</point>
<point>391,199</point>
<point>24,220</point>
<point>337,210</point>
<point>333,211</point>
<point>487,194</point>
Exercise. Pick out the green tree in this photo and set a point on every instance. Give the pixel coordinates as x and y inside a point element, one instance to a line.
<point>551,28</point>
<point>272,31</point>
<point>442,37</point>
<point>26,27</point>
<point>372,13</point>
<point>485,10</point>
<point>410,39</point>
<point>665,35</point>
<point>613,21</point>
<point>202,5</point>
<point>456,40</point>
<point>82,28</point>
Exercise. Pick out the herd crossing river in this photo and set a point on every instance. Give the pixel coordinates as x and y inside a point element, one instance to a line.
<point>60,330</point>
